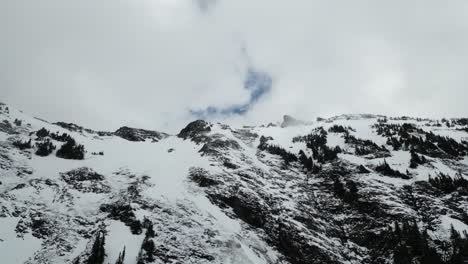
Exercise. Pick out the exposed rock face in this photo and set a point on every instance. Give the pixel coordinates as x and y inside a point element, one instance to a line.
<point>344,191</point>
<point>196,131</point>
<point>289,121</point>
<point>136,134</point>
<point>214,146</point>
<point>202,177</point>
<point>5,126</point>
<point>85,180</point>
<point>76,128</point>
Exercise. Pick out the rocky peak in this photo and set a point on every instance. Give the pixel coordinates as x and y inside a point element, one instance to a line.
<point>195,130</point>
<point>137,134</point>
<point>289,121</point>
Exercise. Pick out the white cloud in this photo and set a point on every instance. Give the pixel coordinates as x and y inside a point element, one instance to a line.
<point>106,63</point>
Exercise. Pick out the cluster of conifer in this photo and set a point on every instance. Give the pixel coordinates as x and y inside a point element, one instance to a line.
<point>385,169</point>
<point>410,245</point>
<point>69,150</point>
<point>408,136</point>
<point>416,160</point>
<point>287,156</point>
<point>148,248</point>
<point>22,145</point>
<point>317,142</point>
<point>98,250</point>
<point>363,147</point>
<point>347,192</point>
<point>449,184</point>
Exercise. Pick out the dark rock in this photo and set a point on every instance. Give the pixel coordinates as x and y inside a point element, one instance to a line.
<point>230,165</point>
<point>82,174</point>
<point>245,207</point>
<point>362,169</point>
<point>76,128</point>
<point>19,186</point>
<point>6,127</point>
<point>297,249</point>
<point>289,121</point>
<point>85,180</point>
<point>213,147</point>
<point>195,131</point>
<point>136,134</point>
<point>123,212</point>
<point>202,177</point>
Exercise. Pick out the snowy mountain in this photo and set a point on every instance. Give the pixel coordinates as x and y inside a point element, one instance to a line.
<point>347,189</point>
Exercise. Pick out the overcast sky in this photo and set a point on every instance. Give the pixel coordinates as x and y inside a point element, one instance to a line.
<point>160,63</point>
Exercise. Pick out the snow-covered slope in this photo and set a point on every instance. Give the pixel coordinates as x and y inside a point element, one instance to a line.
<point>332,191</point>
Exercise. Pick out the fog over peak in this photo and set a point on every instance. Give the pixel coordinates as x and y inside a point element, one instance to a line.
<point>159,64</point>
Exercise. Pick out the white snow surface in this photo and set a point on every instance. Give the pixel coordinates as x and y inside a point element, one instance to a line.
<point>183,212</point>
<point>10,243</point>
<point>167,180</point>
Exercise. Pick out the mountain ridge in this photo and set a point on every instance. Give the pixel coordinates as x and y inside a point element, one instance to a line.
<point>346,189</point>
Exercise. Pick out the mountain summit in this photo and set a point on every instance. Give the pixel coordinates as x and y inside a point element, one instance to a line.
<point>360,189</point>
<point>291,121</point>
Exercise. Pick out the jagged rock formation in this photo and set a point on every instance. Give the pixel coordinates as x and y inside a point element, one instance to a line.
<point>135,134</point>
<point>349,189</point>
<point>76,128</point>
<point>289,121</point>
<point>196,131</point>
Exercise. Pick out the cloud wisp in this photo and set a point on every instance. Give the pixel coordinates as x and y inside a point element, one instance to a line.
<point>256,82</point>
<point>158,64</point>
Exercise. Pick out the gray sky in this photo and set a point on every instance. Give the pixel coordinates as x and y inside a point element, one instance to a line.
<point>160,63</point>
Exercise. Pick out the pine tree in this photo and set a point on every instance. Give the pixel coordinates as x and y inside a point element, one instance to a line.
<point>430,257</point>
<point>401,255</point>
<point>23,145</point>
<point>397,231</point>
<point>97,252</point>
<point>352,193</point>
<point>136,227</point>
<point>147,251</point>
<point>41,133</point>
<point>70,150</point>
<point>121,258</point>
<point>45,148</point>
<point>149,228</point>
<point>338,188</point>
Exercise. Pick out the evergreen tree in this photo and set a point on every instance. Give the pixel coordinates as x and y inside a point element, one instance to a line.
<point>306,162</point>
<point>416,159</point>
<point>71,150</point>
<point>147,251</point>
<point>352,194</point>
<point>287,156</point>
<point>149,228</point>
<point>17,122</point>
<point>121,258</point>
<point>448,184</point>
<point>430,257</point>
<point>386,170</point>
<point>23,145</point>
<point>97,252</point>
<point>401,255</point>
<point>136,227</point>
<point>397,231</point>
<point>41,133</point>
<point>338,188</point>
<point>45,148</point>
